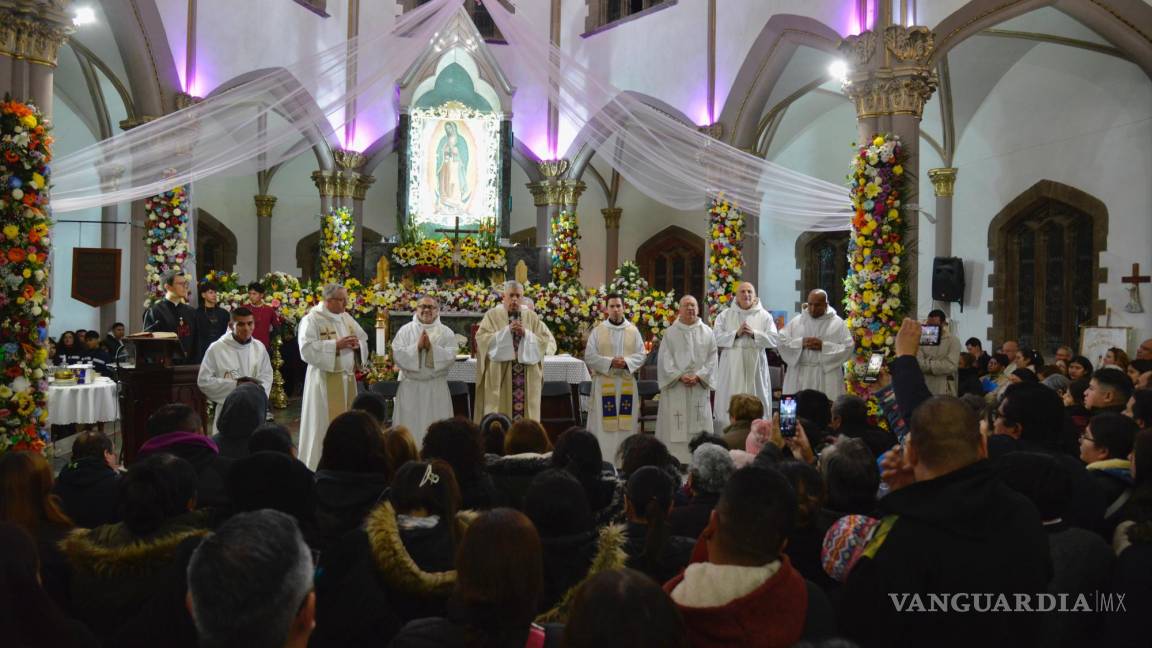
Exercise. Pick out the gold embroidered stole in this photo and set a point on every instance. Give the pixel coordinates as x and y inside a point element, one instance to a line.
<point>616,406</point>
<point>339,386</point>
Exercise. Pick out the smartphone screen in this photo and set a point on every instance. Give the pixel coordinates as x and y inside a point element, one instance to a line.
<point>875,363</point>
<point>787,417</point>
<point>929,335</point>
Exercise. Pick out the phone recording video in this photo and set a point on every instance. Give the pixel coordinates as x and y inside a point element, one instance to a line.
<point>929,335</point>
<point>787,417</point>
<point>875,364</point>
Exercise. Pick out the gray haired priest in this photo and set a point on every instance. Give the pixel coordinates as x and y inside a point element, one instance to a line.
<point>510,347</point>
<point>743,332</point>
<point>614,352</point>
<point>330,342</point>
<point>686,369</point>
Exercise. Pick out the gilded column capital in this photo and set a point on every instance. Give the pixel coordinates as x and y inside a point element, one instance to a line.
<point>943,181</point>
<point>343,183</point>
<point>715,131</point>
<point>264,205</point>
<point>361,185</point>
<point>34,30</point>
<point>183,100</point>
<point>325,182</point>
<point>569,192</point>
<point>540,193</point>
<point>552,169</point>
<point>612,217</point>
<point>347,160</point>
<point>129,124</point>
<point>889,71</point>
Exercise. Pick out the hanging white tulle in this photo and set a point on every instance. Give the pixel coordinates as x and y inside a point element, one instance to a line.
<point>278,115</point>
<point>267,120</point>
<point>667,160</point>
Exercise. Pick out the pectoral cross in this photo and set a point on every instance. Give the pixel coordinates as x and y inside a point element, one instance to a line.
<point>456,232</point>
<point>1136,279</point>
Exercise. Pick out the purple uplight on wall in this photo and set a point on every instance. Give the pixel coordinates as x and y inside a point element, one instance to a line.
<point>852,22</point>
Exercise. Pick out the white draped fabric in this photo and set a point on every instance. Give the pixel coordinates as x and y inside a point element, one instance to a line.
<point>330,384</point>
<point>620,336</point>
<point>822,370</point>
<point>422,397</point>
<point>225,361</point>
<point>685,410</point>
<point>743,365</point>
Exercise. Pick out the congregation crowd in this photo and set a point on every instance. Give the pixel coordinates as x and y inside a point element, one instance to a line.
<point>987,477</point>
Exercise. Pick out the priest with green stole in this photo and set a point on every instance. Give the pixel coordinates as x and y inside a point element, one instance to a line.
<point>510,347</point>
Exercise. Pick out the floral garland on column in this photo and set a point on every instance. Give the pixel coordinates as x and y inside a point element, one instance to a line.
<point>166,238</point>
<point>25,151</point>
<point>725,253</point>
<point>565,248</point>
<point>336,237</point>
<point>876,290</point>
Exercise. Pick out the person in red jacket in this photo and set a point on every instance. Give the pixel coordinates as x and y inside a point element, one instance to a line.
<point>265,315</point>
<point>746,592</point>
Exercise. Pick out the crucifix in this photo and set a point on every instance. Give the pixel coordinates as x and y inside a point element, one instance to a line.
<point>1136,279</point>
<point>456,232</point>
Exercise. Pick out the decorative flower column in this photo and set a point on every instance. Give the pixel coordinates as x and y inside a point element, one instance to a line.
<point>336,239</point>
<point>876,290</point>
<point>565,248</point>
<point>25,152</point>
<point>166,238</point>
<point>725,254</point>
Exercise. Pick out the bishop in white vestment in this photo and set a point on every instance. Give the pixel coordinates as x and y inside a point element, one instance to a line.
<point>424,350</point>
<point>236,356</point>
<point>510,347</point>
<point>615,351</point>
<point>330,340</point>
<point>743,331</point>
<point>686,370</point>
<point>816,344</point>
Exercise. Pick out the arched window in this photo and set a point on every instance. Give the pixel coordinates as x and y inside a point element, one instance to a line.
<point>215,244</point>
<point>673,260</point>
<point>605,12</point>
<point>823,261</point>
<point>480,16</point>
<point>1046,248</point>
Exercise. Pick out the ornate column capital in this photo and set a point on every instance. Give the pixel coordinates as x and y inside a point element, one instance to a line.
<point>569,192</point>
<point>943,181</point>
<point>325,182</point>
<point>347,160</point>
<point>110,175</point>
<point>541,192</point>
<point>34,30</point>
<point>183,100</point>
<point>129,124</point>
<point>889,71</point>
<point>612,217</point>
<point>360,186</point>
<point>715,131</point>
<point>264,205</point>
<point>552,169</point>
<point>343,183</point>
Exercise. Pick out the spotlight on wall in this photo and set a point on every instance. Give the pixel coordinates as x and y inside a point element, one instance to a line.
<point>838,70</point>
<point>83,16</point>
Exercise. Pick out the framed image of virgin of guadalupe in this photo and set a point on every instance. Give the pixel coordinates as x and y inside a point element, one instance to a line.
<point>1096,340</point>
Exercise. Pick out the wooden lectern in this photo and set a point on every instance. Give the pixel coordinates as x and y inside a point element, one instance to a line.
<point>153,382</point>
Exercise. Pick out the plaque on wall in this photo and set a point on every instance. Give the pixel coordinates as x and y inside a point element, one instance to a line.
<point>96,275</point>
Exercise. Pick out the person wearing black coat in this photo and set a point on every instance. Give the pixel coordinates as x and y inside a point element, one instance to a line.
<point>211,321</point>
<point>238,417</point>
<point>949,525</point>
<point>87,485</point>
<point>512,474</point>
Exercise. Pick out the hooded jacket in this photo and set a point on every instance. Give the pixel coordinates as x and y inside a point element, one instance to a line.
<point>513,474</point>
<point>89,491</point>
<point>963,532</point>
<point>242,412</point>
<point>343,499</point>
<point>571,560</point>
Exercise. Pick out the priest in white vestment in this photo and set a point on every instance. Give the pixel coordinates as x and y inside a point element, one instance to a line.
<point>816,344</point>
<point>686,370</point>
<point>330,340</point>
<point>234,358</point>
<point>424,351</point>
<point>510,347</point>
<point>743,331</point>
<point>615,351</point>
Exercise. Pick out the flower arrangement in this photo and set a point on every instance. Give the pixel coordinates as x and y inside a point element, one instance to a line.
<point>650,310</point>
<point>424,255</point>
<point>166,237</point>
<point>226,282</point>
<point>565,248</point>
<point>725,253</point>
<point>26,150</point>
<point>336,238</point>
<point>875,291</point>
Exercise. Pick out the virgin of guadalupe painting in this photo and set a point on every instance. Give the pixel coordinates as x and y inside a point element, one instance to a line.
<point>452,190</point>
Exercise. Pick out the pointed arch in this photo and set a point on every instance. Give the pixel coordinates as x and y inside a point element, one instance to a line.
<point>672,260</point>
<point>216,246</point>
<point>1045,248</point>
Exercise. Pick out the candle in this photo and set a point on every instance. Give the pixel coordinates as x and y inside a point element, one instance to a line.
<point>381,340</point>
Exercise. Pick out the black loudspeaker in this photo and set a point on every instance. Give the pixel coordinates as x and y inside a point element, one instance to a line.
<point>948,279</point>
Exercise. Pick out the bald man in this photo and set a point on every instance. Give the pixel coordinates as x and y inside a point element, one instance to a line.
<point>816,344</point>
<point>743,331</point>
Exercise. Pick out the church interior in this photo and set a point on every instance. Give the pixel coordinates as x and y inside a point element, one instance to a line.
<point>979,165</point>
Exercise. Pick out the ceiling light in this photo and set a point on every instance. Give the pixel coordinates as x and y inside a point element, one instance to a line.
<point>83,16</point>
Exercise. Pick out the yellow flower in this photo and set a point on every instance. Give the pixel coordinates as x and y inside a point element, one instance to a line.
<point>898,170</point>
<point>11,231</point>
<point>879,141</point>
<point>29,121</point>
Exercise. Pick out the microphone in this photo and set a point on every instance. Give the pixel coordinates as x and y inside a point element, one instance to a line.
<point>514,315</point>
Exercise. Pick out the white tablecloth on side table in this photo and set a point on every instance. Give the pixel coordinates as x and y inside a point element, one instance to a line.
<point>562,368</point>
<point>84,404</point>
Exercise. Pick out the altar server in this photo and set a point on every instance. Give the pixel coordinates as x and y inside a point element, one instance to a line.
<point>236,357</point>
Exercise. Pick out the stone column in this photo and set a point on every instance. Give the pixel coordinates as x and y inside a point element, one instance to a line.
<point>264,206</point>
<point>109,214</point>
<point>889,82</point>
<point>548,196</point>
<point>612,238</point>
<point>944,184</point>
<point>325,184</point>
<point>31,33</point>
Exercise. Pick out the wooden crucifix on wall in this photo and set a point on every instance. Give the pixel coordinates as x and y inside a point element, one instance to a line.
<point>1134,306</point>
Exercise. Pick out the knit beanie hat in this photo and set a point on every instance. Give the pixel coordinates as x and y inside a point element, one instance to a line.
<point>844,543</point>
